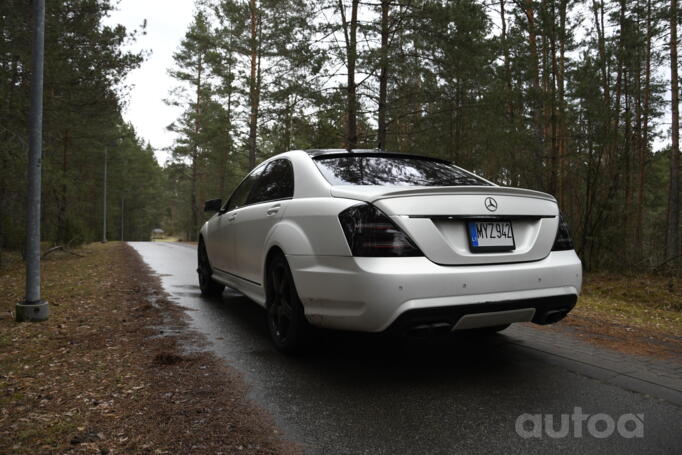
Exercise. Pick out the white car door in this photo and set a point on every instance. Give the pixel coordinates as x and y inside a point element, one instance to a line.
<point>264,208</point>
<point>225,230</point>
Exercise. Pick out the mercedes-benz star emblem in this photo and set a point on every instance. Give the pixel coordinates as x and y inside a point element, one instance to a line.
<point>490,204</point>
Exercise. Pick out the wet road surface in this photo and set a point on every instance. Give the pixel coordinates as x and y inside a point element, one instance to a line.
<point>358,394</point>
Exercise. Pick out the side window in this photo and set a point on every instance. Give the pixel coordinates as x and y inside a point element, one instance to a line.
<point>240,195</point>
<point>277,182</point>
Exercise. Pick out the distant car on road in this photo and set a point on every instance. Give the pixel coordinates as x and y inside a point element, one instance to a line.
<point>375,241</point>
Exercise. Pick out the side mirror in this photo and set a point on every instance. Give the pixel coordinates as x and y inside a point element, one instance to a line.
<point>214,205</point>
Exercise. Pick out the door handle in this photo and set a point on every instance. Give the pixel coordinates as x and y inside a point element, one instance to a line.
<point>272,210</point>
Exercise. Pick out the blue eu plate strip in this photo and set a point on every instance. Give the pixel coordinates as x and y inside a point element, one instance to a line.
<point>473,234</point>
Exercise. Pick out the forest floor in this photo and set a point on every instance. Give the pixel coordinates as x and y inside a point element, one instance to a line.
<point>103,376</point>
<point>107,372</point>
<point>637,314</point>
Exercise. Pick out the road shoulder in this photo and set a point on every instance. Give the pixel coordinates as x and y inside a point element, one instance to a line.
<point>110,370</point>
<point>654,376</point>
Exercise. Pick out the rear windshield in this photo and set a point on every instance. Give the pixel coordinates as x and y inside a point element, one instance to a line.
<point>393,170</point>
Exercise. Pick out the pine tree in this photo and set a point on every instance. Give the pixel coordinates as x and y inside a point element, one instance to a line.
<point>673,232</point>
<point>191,70</point>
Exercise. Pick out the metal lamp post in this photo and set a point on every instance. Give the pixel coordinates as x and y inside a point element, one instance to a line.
<point>104,200</point>
<point>33,309</point>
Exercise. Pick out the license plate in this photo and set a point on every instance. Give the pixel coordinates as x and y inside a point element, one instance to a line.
<point>488,236</point>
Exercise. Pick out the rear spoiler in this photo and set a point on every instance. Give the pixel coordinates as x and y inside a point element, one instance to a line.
<point>374,193</point>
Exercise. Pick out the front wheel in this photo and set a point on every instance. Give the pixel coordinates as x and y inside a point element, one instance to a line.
<point>209,288</point>
<point>289,329</point>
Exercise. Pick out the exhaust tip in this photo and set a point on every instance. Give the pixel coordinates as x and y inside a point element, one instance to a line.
<point>429,330</point>
<point>551,317</point>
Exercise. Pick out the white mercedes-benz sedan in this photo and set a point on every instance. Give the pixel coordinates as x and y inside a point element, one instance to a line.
<point>375,241</point>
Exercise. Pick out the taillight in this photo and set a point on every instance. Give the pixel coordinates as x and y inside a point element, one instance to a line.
<point>563,240</point>
<point>371,233</point>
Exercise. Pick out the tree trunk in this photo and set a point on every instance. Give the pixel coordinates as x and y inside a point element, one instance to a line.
<point>562,104</point>
<point>254,83</point>
<point>673,231</point>
<point>289,122</point>
<point>228,149</point>
<point>598,9</point>
<point>383,74</point>
<point>627,161</point>
<point>552,103</point>
<point>536,97</point>
<point>613,117</point>
<point>63,198</point>
<point>195,152</point>
<point>4,138</point>
<point>350,36</point>
<point>644,141</point>
<point>507,64</point>
<point>2,232</point>
<point>635,155</point>
<point>193,200</point>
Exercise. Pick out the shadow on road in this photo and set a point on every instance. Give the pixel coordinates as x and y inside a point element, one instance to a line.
<point>348,357</point>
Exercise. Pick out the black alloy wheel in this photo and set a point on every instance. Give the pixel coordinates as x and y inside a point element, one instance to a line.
<point>209,288</point>
<point>287,324</point>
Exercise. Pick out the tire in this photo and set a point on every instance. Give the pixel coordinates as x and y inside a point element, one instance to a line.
<point>287,324</point>
<point>209,288</point>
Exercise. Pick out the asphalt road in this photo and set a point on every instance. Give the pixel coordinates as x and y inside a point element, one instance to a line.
<point>360,394</point>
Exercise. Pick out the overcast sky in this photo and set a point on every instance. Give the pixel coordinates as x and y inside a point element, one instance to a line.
<point>167,21</point>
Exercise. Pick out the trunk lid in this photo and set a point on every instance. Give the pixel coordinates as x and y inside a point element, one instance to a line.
<point>436,218</point>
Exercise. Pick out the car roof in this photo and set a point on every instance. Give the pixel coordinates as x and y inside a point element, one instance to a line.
<point>319,152</point>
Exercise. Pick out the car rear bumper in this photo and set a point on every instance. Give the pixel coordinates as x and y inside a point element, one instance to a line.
<point>375,294</point>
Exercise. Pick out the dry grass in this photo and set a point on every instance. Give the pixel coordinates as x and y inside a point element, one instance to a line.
<point>94,379</point>
<point>639,314</point>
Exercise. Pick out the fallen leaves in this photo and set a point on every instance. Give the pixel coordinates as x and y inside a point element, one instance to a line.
<point>97,377</point>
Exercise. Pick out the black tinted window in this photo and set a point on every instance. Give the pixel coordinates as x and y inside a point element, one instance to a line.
<point>277,182</point>
<point>239,196</point>
<point>393,170</point>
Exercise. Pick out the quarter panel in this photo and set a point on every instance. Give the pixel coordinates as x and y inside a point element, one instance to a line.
<point>311,227</point>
